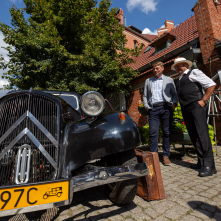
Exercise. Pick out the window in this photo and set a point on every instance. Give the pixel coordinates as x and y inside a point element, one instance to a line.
<point>135,44</point>
<point>163,42</point>
<point>147,49</point>
<point>161,46</point>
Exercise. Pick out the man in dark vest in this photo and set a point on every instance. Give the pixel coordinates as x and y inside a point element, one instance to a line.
<point>194,105</point>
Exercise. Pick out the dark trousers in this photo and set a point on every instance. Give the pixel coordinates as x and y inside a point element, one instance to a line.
<point>195,118</point>
<point>165,115</point>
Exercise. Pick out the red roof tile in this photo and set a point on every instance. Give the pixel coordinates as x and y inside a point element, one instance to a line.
<point>184,33</point>
<point>151,37</point>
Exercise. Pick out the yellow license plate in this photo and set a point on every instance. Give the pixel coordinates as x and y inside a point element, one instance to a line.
<point>32,195</point>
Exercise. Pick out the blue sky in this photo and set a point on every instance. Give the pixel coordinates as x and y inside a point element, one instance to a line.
<point>146,15</point>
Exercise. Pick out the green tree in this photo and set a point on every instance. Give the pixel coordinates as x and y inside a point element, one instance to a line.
<point>71,45</point>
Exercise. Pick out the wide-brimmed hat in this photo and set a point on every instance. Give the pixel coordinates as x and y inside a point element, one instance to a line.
<point>181,60</point>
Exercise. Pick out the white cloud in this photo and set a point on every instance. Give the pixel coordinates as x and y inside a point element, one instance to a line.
<point>15,1</point>
<point>4,53</point>
<point>144,5</point>
<point>148,31</point>
<point>2,50</point>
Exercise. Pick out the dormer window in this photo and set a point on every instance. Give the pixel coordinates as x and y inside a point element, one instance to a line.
<point>163,42</point>
<point>161,46</point>
<point>149,47</point>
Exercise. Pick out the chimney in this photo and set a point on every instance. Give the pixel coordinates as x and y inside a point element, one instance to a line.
<point>161,31</point>
<point>208,21</point>
<point>169,25</point>
<point>120,15</point>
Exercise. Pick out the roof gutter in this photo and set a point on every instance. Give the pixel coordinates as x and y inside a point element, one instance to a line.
<point>169,55</point>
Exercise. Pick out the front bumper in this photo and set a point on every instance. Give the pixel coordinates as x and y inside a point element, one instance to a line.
<point>108,175</point>
<point>91,179</point>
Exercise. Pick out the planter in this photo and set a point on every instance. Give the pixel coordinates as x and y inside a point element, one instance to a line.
<point>142,111</point>
<point>180,138</point>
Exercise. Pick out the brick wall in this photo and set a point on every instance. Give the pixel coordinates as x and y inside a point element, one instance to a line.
<point>131,37</point>
<point>208,20</point>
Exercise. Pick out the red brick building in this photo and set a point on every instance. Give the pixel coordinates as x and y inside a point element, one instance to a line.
<point>134,35</point>
<point>197,39</point>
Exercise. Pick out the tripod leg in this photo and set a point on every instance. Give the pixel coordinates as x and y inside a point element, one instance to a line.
<point>209,110</point>
<point>216,111</point>
<point>217,97</point>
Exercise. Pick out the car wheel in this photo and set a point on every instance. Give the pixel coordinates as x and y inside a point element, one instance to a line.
<point>124,192</point>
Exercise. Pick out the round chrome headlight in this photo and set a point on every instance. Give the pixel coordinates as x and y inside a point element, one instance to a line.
<point>92,103</point>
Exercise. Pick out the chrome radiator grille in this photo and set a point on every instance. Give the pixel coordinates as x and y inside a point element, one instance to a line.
<point>31,119</point>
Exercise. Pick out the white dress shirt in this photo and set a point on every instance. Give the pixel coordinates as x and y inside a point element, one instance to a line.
<point>157,90</point>
<point>197,75</point>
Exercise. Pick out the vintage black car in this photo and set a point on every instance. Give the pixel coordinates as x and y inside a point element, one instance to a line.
<point>53,144</point>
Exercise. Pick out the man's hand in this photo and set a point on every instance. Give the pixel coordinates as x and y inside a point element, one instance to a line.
<point>173,106</point>
<point>201,103</point>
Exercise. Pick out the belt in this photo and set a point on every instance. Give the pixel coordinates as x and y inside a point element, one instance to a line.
<point>160,104</point>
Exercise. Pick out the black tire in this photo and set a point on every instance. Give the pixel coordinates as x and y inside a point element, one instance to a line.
<point>124,192</point>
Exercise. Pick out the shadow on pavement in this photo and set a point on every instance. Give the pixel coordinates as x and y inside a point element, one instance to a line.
<point>176,155</point>
<point>206,209</point>
<point>89,202</point>
<point>85,203</point>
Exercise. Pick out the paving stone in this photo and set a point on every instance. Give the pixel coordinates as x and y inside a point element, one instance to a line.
<point>64,217</point>
<point>140,217</point>
<point>198,199</point>
<point>205,194</point>
<point>190,218</point>
<point>103,211</point>
<point>137,199</point>
<point>144,204</point>
<point>76,207</point>
<point>80,218</point>
<point>209,208</point>
<point>183,195</point>
<point>203,214</point>
<point>152,213</point>
<point>175,212</point>
<point>216,199</point>
<point>136,210</point>
<point>162,207</point>
<point>104,203</point>
<point>65,212</point>
<point>161,218</point>
<point>126,214</point>
<point>116,218</point>
<point>217,216</point>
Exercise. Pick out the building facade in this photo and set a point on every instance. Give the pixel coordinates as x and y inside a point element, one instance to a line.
<point>197,39</point>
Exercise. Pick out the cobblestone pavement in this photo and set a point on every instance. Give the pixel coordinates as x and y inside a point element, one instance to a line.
<point>188,197</point>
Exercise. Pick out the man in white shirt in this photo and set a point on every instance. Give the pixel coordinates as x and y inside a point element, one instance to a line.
<point>160,99</point>
<point>194,105</point>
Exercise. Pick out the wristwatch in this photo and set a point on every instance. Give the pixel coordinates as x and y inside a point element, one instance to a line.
<point>206,101</point>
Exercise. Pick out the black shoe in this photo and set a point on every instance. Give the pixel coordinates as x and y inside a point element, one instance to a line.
<point>196,166</point>
<point>207,171</point>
